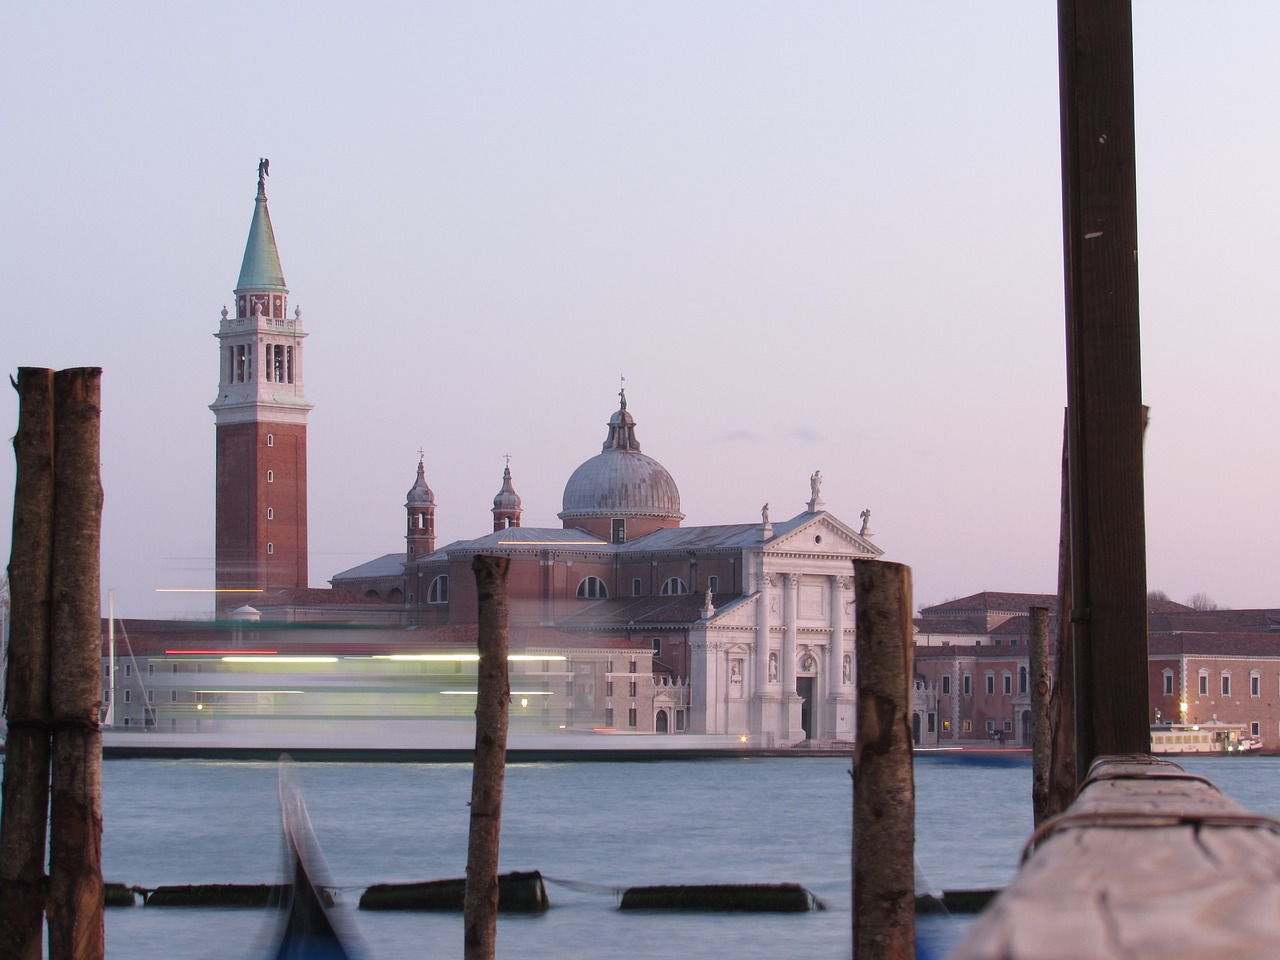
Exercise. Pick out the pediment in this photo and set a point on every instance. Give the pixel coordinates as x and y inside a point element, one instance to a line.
<point>824,536</point>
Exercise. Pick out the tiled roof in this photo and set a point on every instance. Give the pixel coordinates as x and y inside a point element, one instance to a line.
<point>387,565</point>
<point>991,602</point>
<point>940,625</point>
<point>1187,620</point>
<point>640,611</point>
<point>1255,645</point>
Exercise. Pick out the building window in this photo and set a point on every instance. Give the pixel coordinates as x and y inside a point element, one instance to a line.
<point>1255,684</point>
<point>173,696</point>
<point>128,670</point>
<point>438,592</point>
<point>674,586</point>
<point>679,720</point>
<point>967,726</point>
<point>271,440</point>
<point>608,666</point>
<point>271,548</point>
<point>608,716</point>
<point>128,695</point>
<point>991,683</point>
<point>713,584</point>
<point>592,588</point>
<point>631,717</point>
<point>657,646</point>
<point>636,587</point>
<point>1204,683</point>
<point>173,668</point>
<point>1255,729</point>
<point>1008,726</point>
<point>1008,683</point>
<point>631,668</point>
<point>932,722</point>
<point>946,726</point>
<point>1022,679</point>
<point>618,533</point>
<point>271,513</point>
<point>967,686</point>
<point>151,696</point>
<point>946,684</point>
<point>151,669</point>
<point>631,691</point>
<point>991,726</point>
<point>271,476</point>
<point>608,688</point>
<point>1168,683</point>
<point>1226,684</point>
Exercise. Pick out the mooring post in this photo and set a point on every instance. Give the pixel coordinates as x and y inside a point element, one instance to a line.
<point>75,670</point>
<point>1041,747</point>
<point>25,813</point>
<point>493,698</point>
<point>884,806</point>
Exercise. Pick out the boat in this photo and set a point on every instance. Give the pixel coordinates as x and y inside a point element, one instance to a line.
<point>311,927</point>
<point>1179,738</point>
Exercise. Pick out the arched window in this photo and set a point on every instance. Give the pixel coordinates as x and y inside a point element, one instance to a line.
<point>673,586</point>
<point>438,592</point>
<point>592,588</point>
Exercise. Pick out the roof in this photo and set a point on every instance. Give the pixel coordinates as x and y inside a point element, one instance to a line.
<point>260,269</point>
<point>629,612</point>
<point>387,565</point>
<point>1252,645</point>
<point>991,602</point>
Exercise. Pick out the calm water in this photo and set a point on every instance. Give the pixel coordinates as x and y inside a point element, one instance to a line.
<point>603,825</point>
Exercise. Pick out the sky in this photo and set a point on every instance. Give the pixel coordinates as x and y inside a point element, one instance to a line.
<point>819,236</point>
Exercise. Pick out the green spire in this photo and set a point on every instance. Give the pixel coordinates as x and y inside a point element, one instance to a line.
<point>260,269</point>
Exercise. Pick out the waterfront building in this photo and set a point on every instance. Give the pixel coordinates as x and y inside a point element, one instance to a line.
<point>750,625</point>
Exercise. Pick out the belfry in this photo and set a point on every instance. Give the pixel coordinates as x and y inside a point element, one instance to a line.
<point>261,421</point>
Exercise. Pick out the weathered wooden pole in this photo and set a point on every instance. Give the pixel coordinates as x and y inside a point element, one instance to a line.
<point>493,699</point>
<point>25,814</point>
<point>884,802</point>
<point>75,902</point>
<point>1104,382</point>
<point>1061,786</point>
<point>1041,746</point>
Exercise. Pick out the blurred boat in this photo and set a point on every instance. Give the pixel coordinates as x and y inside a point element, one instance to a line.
<point>1168,739</point>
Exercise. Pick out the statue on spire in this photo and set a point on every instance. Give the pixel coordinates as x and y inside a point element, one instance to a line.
<point>264,168</point>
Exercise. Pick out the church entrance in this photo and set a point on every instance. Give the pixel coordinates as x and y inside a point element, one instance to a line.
<point>804,687</point>
<point>660,724</point>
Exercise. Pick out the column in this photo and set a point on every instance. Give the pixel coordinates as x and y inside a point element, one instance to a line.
<point>789,597</point>
<point>837,680</point>
<point>761,679</point>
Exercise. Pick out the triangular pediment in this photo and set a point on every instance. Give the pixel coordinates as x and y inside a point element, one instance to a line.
<point>823,536</point>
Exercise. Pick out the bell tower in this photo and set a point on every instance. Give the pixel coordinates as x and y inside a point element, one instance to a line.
<point>260,416</point>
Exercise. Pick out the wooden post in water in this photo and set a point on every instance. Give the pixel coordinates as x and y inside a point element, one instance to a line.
<point>1061,787</point>
<point>1041,747</point>
<point>75,669</point>
<point>493,700</point>
<point>25,813</point>
<point>884,805</point>
<point>1104,382</point>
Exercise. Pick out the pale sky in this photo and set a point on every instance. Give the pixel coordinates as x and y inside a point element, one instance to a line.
<point>821,235</point>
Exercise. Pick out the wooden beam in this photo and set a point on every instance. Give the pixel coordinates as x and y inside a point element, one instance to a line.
<point>1104,390</point>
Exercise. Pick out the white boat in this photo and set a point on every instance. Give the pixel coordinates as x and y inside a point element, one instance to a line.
<point>1178,738</point>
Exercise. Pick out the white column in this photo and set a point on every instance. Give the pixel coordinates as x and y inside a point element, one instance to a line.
<point>761,679</point>
<point>836,681</point>
<point>790,590</point>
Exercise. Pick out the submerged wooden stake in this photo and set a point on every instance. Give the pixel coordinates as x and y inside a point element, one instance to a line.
<point>75,811</point>
<point>25,812</point>
<point>884,804</point>
<point>493,698</point>
<point>1061,787</point>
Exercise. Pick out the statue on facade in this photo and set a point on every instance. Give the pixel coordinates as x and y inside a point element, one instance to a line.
<point>815,484</point>
<point>866,522</point>
<point>764,515</point>
<point>773,668</point>
<point>847,673</point>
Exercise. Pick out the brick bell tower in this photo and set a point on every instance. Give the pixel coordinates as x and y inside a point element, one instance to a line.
<point>261,421</point>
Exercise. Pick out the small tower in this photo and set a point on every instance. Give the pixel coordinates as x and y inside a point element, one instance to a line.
<point>260,416</point>
<point>506,505</point>
<point>420,505</point>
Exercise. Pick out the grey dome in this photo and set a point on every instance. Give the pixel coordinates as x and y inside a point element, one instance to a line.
<point>620,481</point>
<point>420,494</point>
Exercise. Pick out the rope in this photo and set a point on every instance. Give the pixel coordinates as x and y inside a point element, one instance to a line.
<point>584,887</point>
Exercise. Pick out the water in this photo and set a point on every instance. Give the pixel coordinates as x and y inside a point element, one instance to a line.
<point>609,825</point>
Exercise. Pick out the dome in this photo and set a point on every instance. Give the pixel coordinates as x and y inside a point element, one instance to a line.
<point>507,498</point>
<point>420,494</point>
<point>620,481</point>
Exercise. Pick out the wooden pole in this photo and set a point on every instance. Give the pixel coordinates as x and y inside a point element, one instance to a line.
<point>25,813</point>
<point>884,804</point>
<point>1104,383</point>
<point>1041,746</point>
<point>1061,788</point>
<point>75,811</point>
<point>493,699</point>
